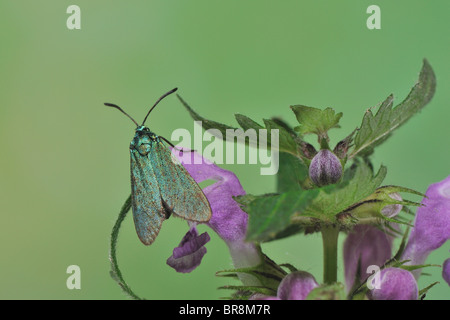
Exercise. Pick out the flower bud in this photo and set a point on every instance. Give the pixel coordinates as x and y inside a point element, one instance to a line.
<point>296,286</point>
<point>378,204</point>
<point>364,246</point>
<point>446,271</point>
<point>325,168</point>
<point>391,210</point>
<point>395,284</point>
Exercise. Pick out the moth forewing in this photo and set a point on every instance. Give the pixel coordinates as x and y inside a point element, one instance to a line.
<point>148,211</point>
<point>179,190</point>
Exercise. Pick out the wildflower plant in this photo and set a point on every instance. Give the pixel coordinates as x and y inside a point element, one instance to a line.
<point>332,190</point>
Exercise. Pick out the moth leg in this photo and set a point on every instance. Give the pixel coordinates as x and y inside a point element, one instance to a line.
<point>167,209</point>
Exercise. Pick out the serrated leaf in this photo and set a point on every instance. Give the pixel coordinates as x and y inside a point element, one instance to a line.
<point>292,173</point>
<point>286,126</point>
<point>375,129</point>
<point>286,143</point>
<point>305,151</point>
<point>271,215</point>
<point>247,123</point>
<point>285,140</point>
<point>313,120</point>
<point>207,124</point>
<point>359,182</point>
<point>342,147</point>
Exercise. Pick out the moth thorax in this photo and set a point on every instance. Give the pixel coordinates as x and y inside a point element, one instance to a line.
<point>143,149</point>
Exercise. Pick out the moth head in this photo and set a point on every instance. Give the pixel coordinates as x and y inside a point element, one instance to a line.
<point>143,129</point>
<point>142,140</point>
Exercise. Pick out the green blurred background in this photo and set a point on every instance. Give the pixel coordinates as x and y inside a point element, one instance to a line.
<point>64,156</point>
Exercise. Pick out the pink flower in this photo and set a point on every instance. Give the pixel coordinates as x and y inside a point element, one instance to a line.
<point>228,220</point>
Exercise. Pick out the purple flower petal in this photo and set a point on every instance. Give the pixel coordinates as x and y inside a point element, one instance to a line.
<point>296,286</point>
<point>446,271</point>
<point>228,220</point>
<point>188,255</point>
<point>432,224</point>
<point>395,284</point>
<point>364,246</point>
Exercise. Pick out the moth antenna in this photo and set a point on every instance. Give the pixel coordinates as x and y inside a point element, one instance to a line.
<point>162,97</point>
<point>171,144</point>
<point>120,109</point>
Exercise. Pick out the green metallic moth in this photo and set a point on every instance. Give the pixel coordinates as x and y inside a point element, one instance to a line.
<point>160,186</point>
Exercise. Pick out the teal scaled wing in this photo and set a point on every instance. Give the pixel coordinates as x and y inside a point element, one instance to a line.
<point>178,189</point>
<point>148,210</point>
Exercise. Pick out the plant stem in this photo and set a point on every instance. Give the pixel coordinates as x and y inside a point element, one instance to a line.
<point>330,243</point>
<point>115,271</point>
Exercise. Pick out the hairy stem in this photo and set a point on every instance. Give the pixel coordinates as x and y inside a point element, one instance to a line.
<point>330,244</point>
<point>115,271</point>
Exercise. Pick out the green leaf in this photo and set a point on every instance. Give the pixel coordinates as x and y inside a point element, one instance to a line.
<point>207,124</point>
<point>416,267</point>
<point>292,173</point>
<point>305,151</point>
<point>335,291</point>
<point>271,215</point>
<point>341,148</point>
<point>246,199</point>
<point>423,292</point>
<point>375,129</point>
<point>372,206</point>
<point>286,142</point>
<point>402,245</point>
<point>358,183</point>
<point>403,265</point>
<point>313,120</point>
<point>289,266</point>
<point>286,126</point>
<point>247,123</point>
<point>268,273</point>
<point>254,289</point>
